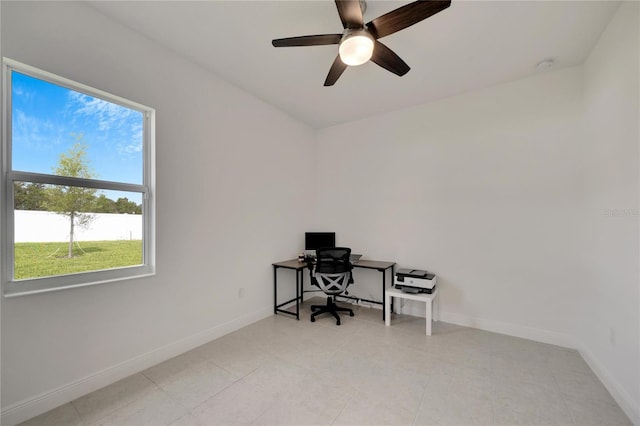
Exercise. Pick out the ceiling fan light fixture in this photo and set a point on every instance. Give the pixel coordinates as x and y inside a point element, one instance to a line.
<point>356,47</point>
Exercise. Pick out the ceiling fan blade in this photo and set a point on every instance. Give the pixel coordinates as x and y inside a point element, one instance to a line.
<point>335,72</point>
<point>350,13</point>
<point>310,40</point>
<point>388,60</point>
<point>405,16</point>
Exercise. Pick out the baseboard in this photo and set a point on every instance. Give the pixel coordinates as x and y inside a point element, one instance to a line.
<point>524,332</point>
<point>31,407</point>
<point>630,407</point>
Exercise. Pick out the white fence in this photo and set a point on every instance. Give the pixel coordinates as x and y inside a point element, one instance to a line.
<point>40,227</point>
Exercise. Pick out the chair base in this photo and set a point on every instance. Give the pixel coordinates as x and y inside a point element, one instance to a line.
<point>329,308</point>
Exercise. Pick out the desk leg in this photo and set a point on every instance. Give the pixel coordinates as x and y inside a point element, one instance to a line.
<point>301,285</point>
<point>275,290</point>
<point>436,309</point>
<point>297,296</point>
<point>384,299</point>
<point>384,287</point>
<point>387,309</point>
<point>429,316</point>
<point>393,276</point>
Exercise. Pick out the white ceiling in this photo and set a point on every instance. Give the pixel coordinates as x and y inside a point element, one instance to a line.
<point>470,45</point>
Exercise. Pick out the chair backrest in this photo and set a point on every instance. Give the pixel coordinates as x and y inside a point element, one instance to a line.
<point>333,269</point>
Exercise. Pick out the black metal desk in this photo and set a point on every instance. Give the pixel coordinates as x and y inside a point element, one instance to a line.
<point>299,267</point>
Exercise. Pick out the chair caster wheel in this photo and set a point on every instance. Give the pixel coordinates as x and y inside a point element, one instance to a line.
<point>351,314</point>
<point>313,319</point>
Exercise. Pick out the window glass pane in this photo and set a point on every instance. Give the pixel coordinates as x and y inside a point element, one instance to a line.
<point>48,120</point>
<point>60,230</point>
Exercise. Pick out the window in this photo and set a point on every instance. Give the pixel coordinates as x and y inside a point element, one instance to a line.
<point>77,179</point>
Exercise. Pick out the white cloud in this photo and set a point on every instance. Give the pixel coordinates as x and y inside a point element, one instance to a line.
<point>107,114</point>
<point>31,131</point>
<point>20,91</point>
<point>120,127</point>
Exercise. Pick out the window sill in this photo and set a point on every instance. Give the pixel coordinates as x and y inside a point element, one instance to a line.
<point>64,282</point>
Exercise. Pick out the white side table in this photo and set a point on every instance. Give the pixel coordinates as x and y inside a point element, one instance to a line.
<point>433,312</point>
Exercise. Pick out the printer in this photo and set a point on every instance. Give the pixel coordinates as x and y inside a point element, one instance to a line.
<point>415,281</point>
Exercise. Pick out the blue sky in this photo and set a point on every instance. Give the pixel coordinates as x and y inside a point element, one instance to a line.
<point>46,117</point>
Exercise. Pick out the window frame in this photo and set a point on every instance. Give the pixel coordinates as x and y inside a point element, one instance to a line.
<point>12,287</point>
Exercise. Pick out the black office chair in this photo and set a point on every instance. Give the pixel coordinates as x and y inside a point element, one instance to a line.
<point>332,273</point>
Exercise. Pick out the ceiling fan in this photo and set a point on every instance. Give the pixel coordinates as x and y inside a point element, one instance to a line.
<point>359,41</point>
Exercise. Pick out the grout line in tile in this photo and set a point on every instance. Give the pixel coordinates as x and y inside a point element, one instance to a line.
<point>108,413</point>
<point>415,416</point>
<point>493,391</point>
<point>564,401</point>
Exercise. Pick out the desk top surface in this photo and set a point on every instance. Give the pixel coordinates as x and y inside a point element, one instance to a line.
<point>373,264</point>
<point>291,264</point>
<point>362,263</point>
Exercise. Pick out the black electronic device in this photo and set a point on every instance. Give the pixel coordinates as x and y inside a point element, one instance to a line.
<point>315,240</point>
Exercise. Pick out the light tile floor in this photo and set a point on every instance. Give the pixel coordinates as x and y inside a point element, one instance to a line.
<point>280,371</point>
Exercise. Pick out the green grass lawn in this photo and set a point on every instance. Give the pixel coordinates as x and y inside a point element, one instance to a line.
<point>34,260</point>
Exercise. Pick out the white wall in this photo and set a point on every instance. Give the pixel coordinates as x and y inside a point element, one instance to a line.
<point>32,226</point>
<point>483,189</point>
<point>229,203</point>
<point>523,198</point>
<point>608,326</point>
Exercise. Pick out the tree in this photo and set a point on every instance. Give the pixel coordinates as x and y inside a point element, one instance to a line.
<point>123,205</point>
<point>105,205</point>
<point>73,202</point>
<point>29,196</point>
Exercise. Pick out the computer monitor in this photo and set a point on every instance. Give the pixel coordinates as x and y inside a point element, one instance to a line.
<point>316,240</point>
